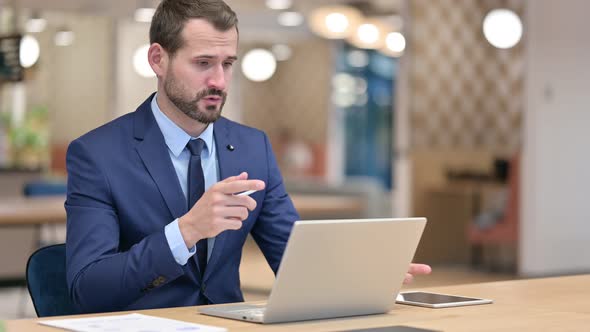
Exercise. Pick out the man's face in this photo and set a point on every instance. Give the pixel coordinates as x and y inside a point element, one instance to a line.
<point>199,73</point>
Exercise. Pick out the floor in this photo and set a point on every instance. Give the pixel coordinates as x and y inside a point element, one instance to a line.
<point>257,281</point>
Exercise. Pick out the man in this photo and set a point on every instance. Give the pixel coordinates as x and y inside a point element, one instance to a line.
<point>153,219</point>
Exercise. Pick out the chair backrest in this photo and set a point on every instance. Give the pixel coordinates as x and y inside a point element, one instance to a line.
<point>46,280</point>
<point>44,188</point>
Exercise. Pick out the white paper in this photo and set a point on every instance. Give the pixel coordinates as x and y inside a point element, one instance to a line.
<point>129,323</point>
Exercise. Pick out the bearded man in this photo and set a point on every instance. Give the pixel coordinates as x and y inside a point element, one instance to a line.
<point>153,219</point>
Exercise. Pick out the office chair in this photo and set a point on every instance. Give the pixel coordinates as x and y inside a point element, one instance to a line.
<point>44,188</point>
<point>505,232</point>
<point>46,281</point>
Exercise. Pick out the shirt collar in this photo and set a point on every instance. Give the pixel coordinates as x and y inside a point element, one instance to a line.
<point>174,136</point>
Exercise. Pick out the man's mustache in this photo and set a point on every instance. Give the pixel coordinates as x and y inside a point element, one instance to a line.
<point>211,92</point>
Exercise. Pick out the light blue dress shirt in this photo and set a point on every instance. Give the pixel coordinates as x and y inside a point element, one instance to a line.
<point>176,140</point>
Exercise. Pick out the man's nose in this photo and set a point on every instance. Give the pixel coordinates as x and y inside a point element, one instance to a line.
<point>217,78</point>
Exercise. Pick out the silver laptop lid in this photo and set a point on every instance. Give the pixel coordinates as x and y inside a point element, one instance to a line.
<point>337,268</point>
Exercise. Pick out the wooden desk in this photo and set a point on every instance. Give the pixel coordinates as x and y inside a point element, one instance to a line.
<point>23,211</point>
<point>552,304</point>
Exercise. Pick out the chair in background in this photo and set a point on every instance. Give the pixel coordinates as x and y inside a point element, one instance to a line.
<point>44,188</point>
<point>46,281</point>
<point>504,234</point>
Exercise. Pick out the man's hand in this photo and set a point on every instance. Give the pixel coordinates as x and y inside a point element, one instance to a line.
<point>416,269</point>
<point>219,209</point>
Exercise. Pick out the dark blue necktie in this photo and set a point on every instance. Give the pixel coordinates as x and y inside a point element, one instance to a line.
<point>196,188</point>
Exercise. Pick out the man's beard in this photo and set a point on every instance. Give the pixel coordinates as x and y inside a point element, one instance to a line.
<point>191,107</point>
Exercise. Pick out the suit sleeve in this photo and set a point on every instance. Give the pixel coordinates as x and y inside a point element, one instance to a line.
<point>277,214</point>
<point>100,277</point>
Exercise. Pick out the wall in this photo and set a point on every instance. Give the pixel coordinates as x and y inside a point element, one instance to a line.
<point>463,106</point>
<point>465,93</point>
<point>132,89</point>
<point>465,97</point>
<point>296,98</point>
<point>75,82</point>
<point>555,227</point>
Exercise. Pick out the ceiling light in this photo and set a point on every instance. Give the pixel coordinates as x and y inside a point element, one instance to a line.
<point>502,28</point>
<point>335,22</point>
<point>278,4</point>
<point>290,19</point>
<point>140,62</point>
<point>144,15</point>
<point>370,34</point>
<point>259,65</point>
<point>29,51</point>
<point>395,44</point>
<point>64,37</point>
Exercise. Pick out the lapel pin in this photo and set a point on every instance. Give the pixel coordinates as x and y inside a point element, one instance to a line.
<point>230,147</point>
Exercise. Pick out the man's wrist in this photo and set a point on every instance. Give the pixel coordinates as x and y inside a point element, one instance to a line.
<point>177,244</point>
<point>184,232</point>
<point>190,238</point>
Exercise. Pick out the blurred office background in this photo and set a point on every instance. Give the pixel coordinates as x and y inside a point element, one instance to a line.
<point>472,113</point>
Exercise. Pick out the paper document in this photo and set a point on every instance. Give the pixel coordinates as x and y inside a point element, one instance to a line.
<point>128,323</point>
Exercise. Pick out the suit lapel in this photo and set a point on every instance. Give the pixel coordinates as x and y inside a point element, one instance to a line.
<point>154,153</point>
<point>228,162</point>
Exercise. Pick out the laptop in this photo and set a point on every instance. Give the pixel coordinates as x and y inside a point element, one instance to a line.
<point>335,268</point>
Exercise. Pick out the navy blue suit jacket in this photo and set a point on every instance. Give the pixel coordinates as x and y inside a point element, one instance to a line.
<point>123,191</point>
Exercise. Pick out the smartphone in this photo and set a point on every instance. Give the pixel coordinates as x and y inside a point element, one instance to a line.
<point>436,300</point>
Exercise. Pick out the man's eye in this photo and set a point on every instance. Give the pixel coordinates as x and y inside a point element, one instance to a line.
<point>228,64</point>
<point>203,63</point>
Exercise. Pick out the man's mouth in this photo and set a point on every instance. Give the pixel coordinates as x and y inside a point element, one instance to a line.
<point>212,101</point>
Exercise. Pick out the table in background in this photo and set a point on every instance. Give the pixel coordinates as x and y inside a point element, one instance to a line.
<point>24,211</point>
<point>551,304</point>
<point>27,211</point>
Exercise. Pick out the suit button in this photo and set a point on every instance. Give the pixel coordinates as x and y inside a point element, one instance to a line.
<point>203,288</point>
<point>161,279</point>
<point>156,283</point>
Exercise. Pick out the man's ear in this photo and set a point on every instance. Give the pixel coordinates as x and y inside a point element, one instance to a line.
<point>158,59</point>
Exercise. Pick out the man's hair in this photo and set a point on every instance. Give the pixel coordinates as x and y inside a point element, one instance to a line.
<point>172,15</point>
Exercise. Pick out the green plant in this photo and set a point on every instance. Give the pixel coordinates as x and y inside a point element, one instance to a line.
<point>28,140</point>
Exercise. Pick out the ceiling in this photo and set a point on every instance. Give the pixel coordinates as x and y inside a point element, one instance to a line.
<point>126,7</point>
<point>257,22</point>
